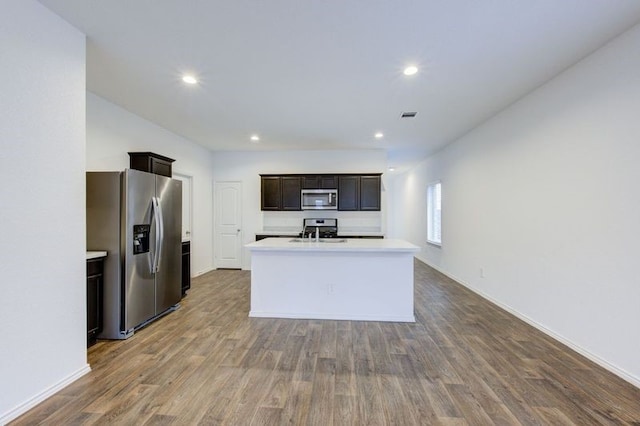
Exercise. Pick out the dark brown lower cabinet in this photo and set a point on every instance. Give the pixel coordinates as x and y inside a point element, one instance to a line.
<point>186,267</point>
<point>95,283</point>
<point>263,236</point>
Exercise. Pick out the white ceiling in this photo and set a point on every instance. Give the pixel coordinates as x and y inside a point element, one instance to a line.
<point>327,74</point>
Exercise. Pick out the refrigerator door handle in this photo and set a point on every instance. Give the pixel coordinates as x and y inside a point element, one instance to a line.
<point>160,234</point>
<point>156,245</point>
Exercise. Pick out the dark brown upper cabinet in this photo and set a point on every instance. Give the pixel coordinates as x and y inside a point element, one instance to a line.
<point>271,193</point>
<point>151,163</point>
<point>348,193</point>
<point>355,192</point>
<point>359,193</point>
<point>370,189</point>
<point>319,182</point>
<point>291,187</point>
<point>280,192</point>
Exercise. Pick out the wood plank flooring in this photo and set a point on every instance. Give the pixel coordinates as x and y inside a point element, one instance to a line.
<point>464,362</point>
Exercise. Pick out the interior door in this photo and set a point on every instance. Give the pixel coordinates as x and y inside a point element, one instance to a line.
<point>228,224</point>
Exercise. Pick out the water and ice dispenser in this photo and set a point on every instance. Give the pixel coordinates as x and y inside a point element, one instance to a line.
<point>141,238</point>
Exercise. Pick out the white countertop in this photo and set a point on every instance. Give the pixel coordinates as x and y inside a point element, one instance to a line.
<point>96,254</point>
<point>350,245</point>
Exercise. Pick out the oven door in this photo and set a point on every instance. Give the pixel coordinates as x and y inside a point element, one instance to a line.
<point>319,199</point>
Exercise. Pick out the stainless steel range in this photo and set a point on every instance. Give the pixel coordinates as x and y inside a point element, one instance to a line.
<point>322,228</point>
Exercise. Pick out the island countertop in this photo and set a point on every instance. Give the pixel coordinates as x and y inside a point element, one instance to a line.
<point>333,245</point>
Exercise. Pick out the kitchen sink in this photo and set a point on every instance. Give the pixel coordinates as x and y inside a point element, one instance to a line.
<point>321,240</point>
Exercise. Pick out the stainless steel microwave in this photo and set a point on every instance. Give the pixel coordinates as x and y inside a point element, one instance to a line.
<point>319,199</point>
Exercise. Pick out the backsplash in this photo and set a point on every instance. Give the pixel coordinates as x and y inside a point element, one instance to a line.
<point>347,221</point>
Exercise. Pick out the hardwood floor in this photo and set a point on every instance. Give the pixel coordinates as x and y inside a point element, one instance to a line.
<point>464,361</point>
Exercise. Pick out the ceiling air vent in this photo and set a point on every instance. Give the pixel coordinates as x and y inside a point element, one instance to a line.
<point>409,114</point>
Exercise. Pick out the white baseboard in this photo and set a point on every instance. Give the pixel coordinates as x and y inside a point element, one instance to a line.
<point>204,271</point>
<point>601,362</point>
<point>37,399</point>
<point>337,317</point>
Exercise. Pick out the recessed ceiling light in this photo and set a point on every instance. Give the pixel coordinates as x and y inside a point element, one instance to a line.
<point>378,135</point>
<point>189,79</point>
<point>410,70</point>
<point>391,169</point>
<point>255,138</point>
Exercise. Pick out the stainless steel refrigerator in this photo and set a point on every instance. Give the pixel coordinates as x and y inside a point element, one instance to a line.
<point>137,218</point>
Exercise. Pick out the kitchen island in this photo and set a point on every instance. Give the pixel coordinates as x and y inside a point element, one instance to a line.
<point>340,279</point>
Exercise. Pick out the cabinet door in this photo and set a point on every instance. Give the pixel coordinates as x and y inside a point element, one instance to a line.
<point>94,299</point>
<point>319,182</point>
<point>150,163</point>
<point>348,192</point>
<point>291,193</point>
<point>186,267</point>
<point>370,193</point>
<point>311,182</point>
<point>270,193</point>
<point>160,167</point>
<point>94,285</point>
<point>328,182</point>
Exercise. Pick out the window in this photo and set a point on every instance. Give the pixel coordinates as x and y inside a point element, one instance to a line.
<point>434,213</point>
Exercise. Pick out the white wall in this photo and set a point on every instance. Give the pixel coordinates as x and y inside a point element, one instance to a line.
<point>544,197</point>
<point>42,219</point>
<point>246,167</point>
<point>112,132</point>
